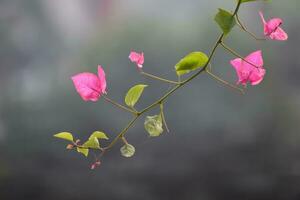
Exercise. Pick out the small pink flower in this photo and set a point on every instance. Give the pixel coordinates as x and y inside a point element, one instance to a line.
<point>247,72</point>
<point>95,164</point>
<point>90,86</point>
<point>272,28</point>
<point>137,58</point>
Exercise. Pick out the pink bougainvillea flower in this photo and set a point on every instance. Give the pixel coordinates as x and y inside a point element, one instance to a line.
<point>90,86</point>
<point>246,72</point>
<point>137,58</point>
<point>272,28</point>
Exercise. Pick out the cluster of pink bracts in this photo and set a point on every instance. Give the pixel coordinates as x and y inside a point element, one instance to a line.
<point>250,69</point>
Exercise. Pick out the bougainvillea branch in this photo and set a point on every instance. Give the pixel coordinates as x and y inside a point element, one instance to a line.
<point>92,87</point>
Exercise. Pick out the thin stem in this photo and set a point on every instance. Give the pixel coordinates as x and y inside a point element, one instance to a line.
<point>163,117</point>
<point>161,99</point>
<point>237,7</point>
<point>225,82</point>
<point>236,54</point>
<point>243,27</point>
<point>124,140</point>
<point>159,78</point>
<point>121,134</point>
<point>210,67</point>
<point>179,79</point>
<point>83,147</point>
<point>119,105</point>
<point>240,23</point>
<point>135,110</point>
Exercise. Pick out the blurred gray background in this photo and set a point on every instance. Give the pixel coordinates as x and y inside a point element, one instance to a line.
<point>222,145</point>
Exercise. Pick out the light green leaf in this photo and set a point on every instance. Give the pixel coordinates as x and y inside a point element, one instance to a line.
<point>65,136</point>
<point>153,125</point>
<point>127,150</point>
<point>99,135</point>
<point>225,20</point>
<point>92,143</point>
<point>191,62</point>
<point>83,151</point>
<point>134,94</point>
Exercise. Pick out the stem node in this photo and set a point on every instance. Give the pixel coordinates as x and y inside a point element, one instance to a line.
<point>138,113</point>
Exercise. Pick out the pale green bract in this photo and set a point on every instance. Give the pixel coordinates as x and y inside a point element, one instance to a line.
<point>65,135</point>
<point>190,62</point>
<point>127,150</point>
<point>153,125</point>
<point>134,94</point>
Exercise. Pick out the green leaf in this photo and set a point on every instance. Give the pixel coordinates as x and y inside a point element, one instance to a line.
<point>127,150</point>
<point>153,125</point>
<point>134,94</point>
<point>83,151</point>
<point>191,62</point>
<point>65,136</point>
<point>225,20</point>
<point>99,135</point>
<point>92,143</point>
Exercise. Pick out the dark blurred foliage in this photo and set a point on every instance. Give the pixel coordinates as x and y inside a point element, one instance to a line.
<point>221,146</point>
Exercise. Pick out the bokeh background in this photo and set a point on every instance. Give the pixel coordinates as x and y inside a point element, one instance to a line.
<point>222,145</point>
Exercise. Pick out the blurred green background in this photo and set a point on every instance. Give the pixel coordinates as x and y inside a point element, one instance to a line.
<point>222,145</point>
